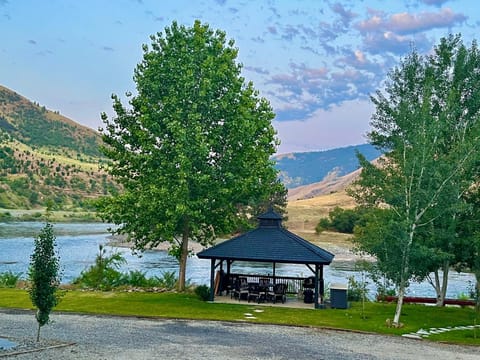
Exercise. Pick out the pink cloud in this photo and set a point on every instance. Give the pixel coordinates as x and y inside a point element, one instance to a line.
<point>406,23</point>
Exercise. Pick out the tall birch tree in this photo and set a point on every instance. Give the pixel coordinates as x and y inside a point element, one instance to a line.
<point>427,122</point>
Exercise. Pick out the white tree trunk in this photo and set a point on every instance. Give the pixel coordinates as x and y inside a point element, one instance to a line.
<point>398,309</point>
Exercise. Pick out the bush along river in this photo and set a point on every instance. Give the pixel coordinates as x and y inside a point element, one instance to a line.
<point>78,245</point>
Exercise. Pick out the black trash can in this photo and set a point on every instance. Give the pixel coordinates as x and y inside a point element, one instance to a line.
<point>338,296</point>
<point>308,296</point>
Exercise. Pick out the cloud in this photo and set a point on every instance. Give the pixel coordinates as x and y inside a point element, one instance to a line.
<point>275,12</point>
<point>258,39</point>
<point>3,2</point>
<point>406,23</point>
<point>272,30</point>
<point>257,70</point>
<point>379,43</point>
<point>437,3</point>
<point>398,33</point>
<point>44,53</point>
<point>153,16</point>
<point>299,93</point>
<point>290,32</point>
<point>346,16</point>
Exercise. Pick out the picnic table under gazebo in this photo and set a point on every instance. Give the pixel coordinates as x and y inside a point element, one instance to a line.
<point>270,242</point>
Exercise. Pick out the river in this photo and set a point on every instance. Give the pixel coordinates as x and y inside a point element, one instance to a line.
<point>78,245</point>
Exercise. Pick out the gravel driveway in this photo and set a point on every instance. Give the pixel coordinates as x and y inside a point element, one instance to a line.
<point>101,337</point>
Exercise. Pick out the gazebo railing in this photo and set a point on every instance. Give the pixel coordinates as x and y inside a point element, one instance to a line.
<point>294,284</point>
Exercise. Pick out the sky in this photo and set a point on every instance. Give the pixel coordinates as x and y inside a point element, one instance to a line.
<point>316,62</point>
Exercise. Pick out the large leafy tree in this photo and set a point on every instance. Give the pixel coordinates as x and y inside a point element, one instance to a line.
<point>427,122</point>
<point>192,150</point>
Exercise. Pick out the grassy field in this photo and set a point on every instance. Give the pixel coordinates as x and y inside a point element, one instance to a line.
<point>189,306</point>
<point>303,215</point>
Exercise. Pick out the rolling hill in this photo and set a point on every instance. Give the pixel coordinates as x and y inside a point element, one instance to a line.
<point>46,157</point>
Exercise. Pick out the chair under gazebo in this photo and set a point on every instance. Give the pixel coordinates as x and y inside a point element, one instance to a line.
<point>270,242</point>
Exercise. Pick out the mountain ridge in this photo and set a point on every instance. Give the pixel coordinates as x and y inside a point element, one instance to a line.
<point>303,168</point>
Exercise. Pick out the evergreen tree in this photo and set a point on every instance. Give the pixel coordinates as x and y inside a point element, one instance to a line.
<point>44,276</point>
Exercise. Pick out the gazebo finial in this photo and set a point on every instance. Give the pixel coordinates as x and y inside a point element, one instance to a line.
<point>270,219</point>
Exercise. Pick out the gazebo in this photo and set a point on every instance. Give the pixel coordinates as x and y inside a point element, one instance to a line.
<point>269,243</point>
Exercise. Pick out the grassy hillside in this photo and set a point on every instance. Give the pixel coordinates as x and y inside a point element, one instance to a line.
<point>46,158</point>
<point>37,127</point>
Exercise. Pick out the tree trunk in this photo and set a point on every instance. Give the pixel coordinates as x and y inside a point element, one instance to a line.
<point>398,309</point>
<point>38,332</point>
<point>183,260</point>
<point>404,277</point>
<point>477,295</point>
<point>441,289</point>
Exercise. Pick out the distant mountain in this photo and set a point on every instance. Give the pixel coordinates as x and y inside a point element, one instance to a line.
<point>46,157</point>
<point>297,169</point>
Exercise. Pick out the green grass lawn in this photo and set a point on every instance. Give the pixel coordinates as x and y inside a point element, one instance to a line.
<point>189,306</point>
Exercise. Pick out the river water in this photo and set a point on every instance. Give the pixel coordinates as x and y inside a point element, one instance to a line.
<point>78,245</point>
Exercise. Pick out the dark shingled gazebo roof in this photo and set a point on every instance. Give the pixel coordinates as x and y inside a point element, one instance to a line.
<point>269,242</point>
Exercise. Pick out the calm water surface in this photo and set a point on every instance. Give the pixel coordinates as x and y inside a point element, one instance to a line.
<point>78,245</point>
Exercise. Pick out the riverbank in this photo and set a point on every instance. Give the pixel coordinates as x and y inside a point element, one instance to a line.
<point>122,241</point>
<point>61,216</point>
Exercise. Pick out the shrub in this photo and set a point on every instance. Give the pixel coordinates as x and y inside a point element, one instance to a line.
<point>168,280</point>
<point>9,279</point>
<point>135,278</point>
<point>356,289</point>
<point>341,220</point>
<point>103,275</point>
<point>203,292</point>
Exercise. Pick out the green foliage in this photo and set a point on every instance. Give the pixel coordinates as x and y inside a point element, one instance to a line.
<point>5,216</point>
<point>356,289</point>
<point>341,220</point>
<point>427,120</point>
<point>44,275</point>
<point>203,292</point>
<point>103,274</point>
<point>192,153</point>
<point>168,280</point>
<point>9,279</point>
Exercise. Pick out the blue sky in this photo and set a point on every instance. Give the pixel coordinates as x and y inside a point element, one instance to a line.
<point>316,61</point>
